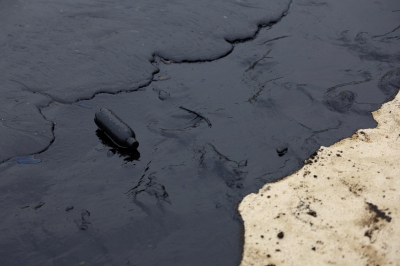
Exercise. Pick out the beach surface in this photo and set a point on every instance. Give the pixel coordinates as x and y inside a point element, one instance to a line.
<point>341,208</point>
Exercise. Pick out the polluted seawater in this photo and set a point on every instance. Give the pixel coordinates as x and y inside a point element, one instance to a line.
<point>265,96</point>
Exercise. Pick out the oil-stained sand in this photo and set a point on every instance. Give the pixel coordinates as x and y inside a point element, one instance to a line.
<point>341,208</point>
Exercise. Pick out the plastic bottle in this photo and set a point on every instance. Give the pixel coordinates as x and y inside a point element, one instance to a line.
<point>116,129</point>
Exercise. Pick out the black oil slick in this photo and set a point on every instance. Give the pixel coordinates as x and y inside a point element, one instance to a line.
<point>256,102</point>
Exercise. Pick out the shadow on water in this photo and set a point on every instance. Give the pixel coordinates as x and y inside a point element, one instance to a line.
<point>128,154</point>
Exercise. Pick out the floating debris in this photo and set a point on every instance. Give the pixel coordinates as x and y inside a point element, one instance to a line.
<point>29,159</point>
<point>38,206</point>
<point>282,150</point>
<point>69,208</point>
<point>116,129</point>
<point>167,62</point>
<point>83,223</point>
<point>164,78</point>
<point>161,78</point>
<point>163,95</point>
<point>58,103</point>
<point>84,106</point>
<point>199,115</point>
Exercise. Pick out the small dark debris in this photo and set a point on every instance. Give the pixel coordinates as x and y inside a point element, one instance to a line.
<point>262,236</point>
<point>38,206</point>
<point>277,250</point>
<point>83,223</point>
<point>242,163</point>
<point>313,248</point>
<point>368,234</point>
<point>281,151</point>
<point>163,95</point>
<point>312,213</point>
<point>280,235</point>
<point>69,208</point>
<point>198,115</point>
<point>378,212</point>
<point>24,207</point>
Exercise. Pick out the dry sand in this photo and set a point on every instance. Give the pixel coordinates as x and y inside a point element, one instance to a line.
<point>341,208</point>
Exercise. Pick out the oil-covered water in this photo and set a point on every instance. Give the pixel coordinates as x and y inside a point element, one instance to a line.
<point>216,118</point>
